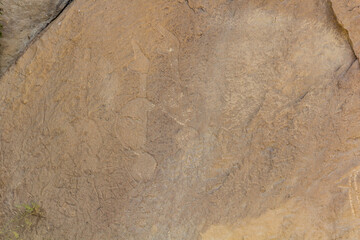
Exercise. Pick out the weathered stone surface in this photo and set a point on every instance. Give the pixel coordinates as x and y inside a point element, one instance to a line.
<point>212,120</point>
<point>22,21</point>
<point>348,15</point>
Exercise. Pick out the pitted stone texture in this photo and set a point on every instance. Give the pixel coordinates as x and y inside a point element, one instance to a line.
<point>190,119</point>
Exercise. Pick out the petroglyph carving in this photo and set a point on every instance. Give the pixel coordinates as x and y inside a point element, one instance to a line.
<point>353,190</point>
<point>141,65</point>
<point>354,194</point>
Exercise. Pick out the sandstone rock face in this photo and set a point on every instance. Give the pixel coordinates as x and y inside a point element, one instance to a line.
<point>348,13</point>
<point>212,120</point>
<point>22,21</point>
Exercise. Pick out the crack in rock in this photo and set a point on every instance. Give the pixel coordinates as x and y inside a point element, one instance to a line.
<point>346,29</point>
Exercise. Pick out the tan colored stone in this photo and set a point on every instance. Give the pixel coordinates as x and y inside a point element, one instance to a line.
<point>144,167</point>
<point>212,120</point>
<point>347,13</point>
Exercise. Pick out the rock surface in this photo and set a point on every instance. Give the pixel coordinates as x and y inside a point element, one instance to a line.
<point>22,21</point>
<point>348,15</point>
<point>193,119</point>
